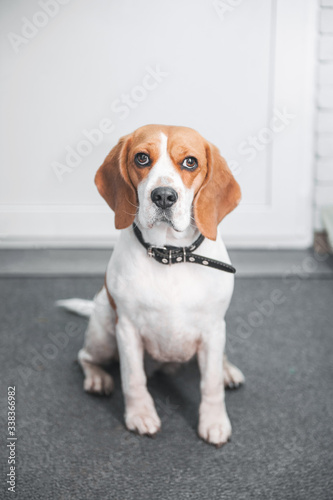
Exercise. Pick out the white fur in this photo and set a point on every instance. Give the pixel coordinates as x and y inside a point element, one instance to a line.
<point>172,312</point>
<point>164,174</point>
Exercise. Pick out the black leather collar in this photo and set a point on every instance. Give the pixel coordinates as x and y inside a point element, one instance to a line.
<point>174,255</point>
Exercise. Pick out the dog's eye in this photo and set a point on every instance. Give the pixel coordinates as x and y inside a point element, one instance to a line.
<point>142,159</point>
<point>190,163</point>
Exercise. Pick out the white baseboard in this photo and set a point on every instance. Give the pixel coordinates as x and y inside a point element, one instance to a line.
<point>96,243</point>
<point>92,226</point>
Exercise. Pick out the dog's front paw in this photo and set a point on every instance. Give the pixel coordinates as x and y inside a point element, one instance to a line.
<point>142,418</point>
<point>214,425</point>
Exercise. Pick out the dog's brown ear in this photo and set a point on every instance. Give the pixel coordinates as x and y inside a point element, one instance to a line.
<point>218,195</point>
<point>114,184</point>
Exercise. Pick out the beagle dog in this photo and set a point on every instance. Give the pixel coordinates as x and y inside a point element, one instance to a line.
<point>169,280</point>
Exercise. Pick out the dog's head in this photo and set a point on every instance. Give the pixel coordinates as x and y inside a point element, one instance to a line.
<point>168,174</point>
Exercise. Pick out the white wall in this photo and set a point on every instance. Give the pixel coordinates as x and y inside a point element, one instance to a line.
<point>226,68</point>
<point>324,118</point>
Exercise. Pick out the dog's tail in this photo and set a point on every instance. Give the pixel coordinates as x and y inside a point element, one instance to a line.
<point>78,306</point>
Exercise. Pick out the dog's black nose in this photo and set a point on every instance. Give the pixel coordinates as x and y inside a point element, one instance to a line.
<point>164,197</point>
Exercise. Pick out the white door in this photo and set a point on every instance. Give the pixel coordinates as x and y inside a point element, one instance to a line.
<point>78,75</point>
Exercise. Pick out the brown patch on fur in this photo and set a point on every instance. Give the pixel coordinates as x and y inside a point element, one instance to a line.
<point>184,142</point>
<point>113,183</point>
<point>218,195</point>
<point>118,177</point>
<point>216,192</point>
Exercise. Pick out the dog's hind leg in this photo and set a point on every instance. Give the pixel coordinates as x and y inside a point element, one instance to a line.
<point>232,375</point>
<point>100,347</point>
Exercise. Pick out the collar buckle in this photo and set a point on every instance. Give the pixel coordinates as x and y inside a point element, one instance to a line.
<point>150,250</point>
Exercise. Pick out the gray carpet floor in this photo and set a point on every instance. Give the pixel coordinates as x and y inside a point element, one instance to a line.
<point>74,446</point>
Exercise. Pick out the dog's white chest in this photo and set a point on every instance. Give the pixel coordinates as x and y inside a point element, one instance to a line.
<point>171,307</point>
